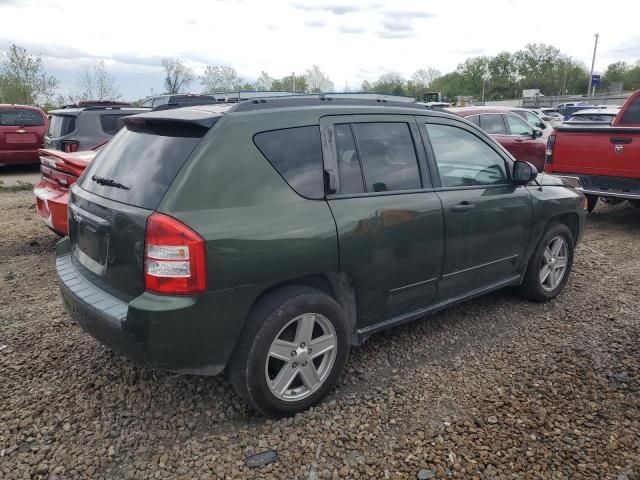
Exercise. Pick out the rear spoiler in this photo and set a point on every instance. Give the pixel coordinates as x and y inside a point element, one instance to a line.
<point>60,155</point>
<point>184,116</point>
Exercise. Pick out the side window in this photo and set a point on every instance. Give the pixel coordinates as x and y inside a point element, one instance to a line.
<point>388,156</point>
<point>532,118</point>
<point>475,119</point>
<point>160,101</point>
<point>297,156</point>
<point>147,103</point>
<point>463,159</point>
<point>348,160</point>
<point>493,124</point>
<point>110,123</point>
<point>631,115</point>
<point>517,126</point>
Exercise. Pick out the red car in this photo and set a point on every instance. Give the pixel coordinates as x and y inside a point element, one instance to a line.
<point>514,133</point>
<point>22,130</point>
<point>59,170</point>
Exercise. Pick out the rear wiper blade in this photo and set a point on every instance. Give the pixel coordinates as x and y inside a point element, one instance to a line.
<point>108,182</point>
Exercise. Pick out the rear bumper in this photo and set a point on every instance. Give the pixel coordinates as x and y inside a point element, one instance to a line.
<point>189,334</point>
<point>51,204</point>
<point>605,186</point>
<point>19,157</point>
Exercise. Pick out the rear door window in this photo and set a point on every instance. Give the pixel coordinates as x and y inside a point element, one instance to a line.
<point>388,156</point>
<point>20,117</point>
<point>61,125</point>
<point>349,167</point>
<point>140,162</point>
<point>296,154</point>
<point>493,124</point>
<point>110,123</point>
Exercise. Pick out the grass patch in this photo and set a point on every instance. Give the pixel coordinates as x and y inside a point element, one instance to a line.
<point>19,186</point>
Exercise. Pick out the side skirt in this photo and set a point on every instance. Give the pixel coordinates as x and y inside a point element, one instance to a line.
<point>359,336</point>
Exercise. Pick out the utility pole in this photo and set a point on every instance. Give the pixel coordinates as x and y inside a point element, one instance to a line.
<point>293,76</point>
<point>593,61</point>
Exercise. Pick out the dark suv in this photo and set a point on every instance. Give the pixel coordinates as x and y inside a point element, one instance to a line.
<point>268,237</point>
<point>87,125</point>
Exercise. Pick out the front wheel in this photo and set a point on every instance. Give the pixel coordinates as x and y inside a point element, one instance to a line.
<point>293,351</point>
<point>550,265</point>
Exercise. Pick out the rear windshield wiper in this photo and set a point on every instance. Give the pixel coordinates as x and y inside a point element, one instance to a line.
<point>108,182</point>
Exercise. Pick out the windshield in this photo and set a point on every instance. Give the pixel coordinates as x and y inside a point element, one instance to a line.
<point>138,165</point>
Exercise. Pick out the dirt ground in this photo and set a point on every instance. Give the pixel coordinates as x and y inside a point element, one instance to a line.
<point>496,388</point>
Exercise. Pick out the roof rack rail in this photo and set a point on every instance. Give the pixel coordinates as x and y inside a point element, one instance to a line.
<point>322,100</point>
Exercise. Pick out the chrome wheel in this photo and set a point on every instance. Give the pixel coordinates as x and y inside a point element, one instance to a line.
<point>554,263</point>
<point>301,357</point>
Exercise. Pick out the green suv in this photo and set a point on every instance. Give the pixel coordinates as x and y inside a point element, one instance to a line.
<point>266,238</point>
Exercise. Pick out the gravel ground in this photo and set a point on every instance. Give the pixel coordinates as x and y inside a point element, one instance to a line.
<point>496,388</point>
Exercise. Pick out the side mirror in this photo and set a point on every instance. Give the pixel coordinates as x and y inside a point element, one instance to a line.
<point>523,172</point>
<point>537,133</point>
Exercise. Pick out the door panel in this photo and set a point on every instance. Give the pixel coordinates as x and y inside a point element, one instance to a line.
<point>390,227</point>
<point>487,218</point>
<point>486,243</point>
<point>392,246</point>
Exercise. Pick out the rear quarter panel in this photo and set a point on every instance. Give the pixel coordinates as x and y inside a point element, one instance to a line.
<point>258,230</point>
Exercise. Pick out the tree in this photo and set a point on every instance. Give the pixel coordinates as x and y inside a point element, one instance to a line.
<point>219,78</point>
<point>98,84</point>
<point>366,86</point>
<point>178,76</point>
<point>264,81</point>
<point>421,80</point>
<point>23,78</point>
<point>317,80</point>
<point>391,82</point>
<point>287,84</point>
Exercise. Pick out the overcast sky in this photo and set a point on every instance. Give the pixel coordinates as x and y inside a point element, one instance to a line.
<point>350,40</point>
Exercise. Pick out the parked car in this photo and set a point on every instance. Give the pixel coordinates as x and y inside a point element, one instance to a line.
<point>592,117</point>
<point>163,102</point>
<point>86,125</point>
<point>555,118</point>
<point>269,237</point>
<point>59,170</point>
<point>514,133</point>
<point>21,133</point>
<point>605,160</point>
<point>568,110</point>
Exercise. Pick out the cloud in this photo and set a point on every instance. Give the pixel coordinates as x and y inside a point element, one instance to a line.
<point>315,23</point>
<point>350,30</point>
<point>407,14</point>
<point>335,9</point>
<point>393,35</point>
<point>394,25</point>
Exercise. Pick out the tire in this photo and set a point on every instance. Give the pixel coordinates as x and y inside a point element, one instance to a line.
<point>592,201</point>
<point>288,315</point>
<point>533,287</point>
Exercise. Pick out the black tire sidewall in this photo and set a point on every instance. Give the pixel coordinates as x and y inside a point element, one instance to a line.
<point>532,282</point>
<point>260,396</point>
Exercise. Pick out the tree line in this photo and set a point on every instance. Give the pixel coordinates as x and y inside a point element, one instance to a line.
<point>24,79</point>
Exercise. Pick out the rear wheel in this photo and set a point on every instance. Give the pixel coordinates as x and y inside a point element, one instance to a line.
<point>592,201</point>
<point>292,352</point>
<point>550,265</point>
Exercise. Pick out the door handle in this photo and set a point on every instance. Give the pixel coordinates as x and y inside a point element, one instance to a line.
<point>462,207</point>
<point>620,140</point>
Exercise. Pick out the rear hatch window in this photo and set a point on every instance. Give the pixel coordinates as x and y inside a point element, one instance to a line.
<point>61,125</point>
<point>137,166</point>
<point>20,117</point>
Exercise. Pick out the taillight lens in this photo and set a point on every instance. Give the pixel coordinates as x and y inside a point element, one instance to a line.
<point>551,142</point>
<point>174,258</point>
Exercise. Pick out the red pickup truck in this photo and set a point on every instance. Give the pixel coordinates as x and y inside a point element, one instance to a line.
<point>606,160</point>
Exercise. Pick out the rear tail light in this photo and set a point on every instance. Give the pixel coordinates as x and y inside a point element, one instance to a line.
<point>62,179</point>
<point>174,258</point>
<point>69,146</point>
<point>551,142</point>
